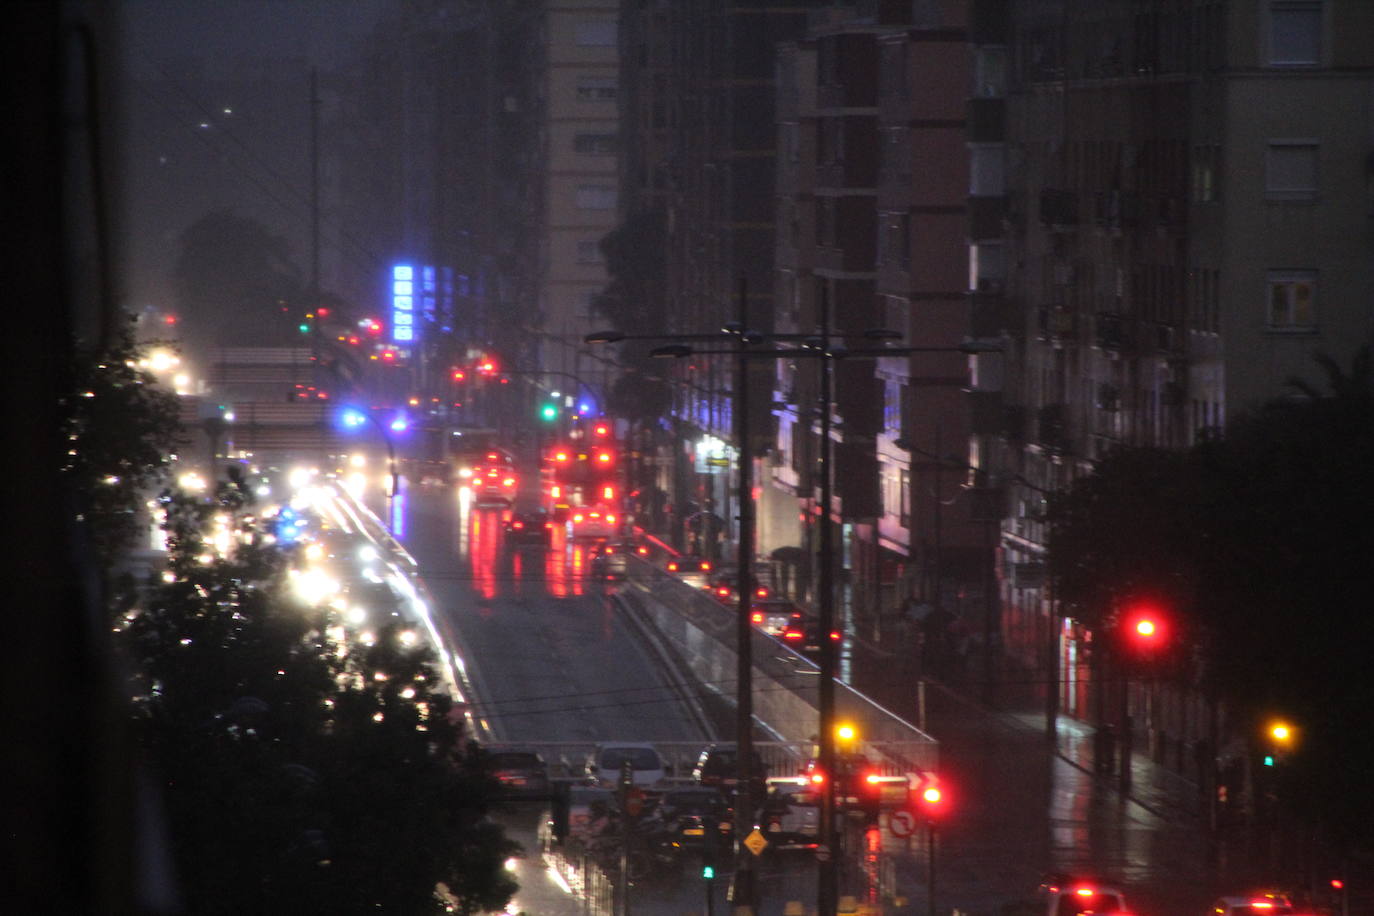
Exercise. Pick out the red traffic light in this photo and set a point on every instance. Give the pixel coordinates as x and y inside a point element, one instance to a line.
<point>601,430</point>
<point>1145,627</point>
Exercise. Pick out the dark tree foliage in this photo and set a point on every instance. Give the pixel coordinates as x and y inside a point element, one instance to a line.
<point>297,777</point>
<point>1254,542</point>
<point>121,428</point>
<point>236,283</point>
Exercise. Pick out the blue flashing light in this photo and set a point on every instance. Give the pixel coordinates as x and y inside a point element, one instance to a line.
<point>584,408</point>
<point>399,425</point>
<point>353,418</point>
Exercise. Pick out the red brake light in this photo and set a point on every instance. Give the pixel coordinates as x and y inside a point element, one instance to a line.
<point>872,779</point>
<point>1080,891</point>
<point>706,565</point>
<point>817,777</point>
<point>518,525</point>
<point>791,634</point>
<point>672,567</point>
<point>761,592</point>
<point>757,617</point>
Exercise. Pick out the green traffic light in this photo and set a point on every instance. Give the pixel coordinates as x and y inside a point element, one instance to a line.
<point>708,872</point>
<point>548,413</point>
<point>1268,760</point>
<point>304,328</point>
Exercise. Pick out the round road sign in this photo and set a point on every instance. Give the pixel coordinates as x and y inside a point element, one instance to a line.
<point>901,823</point>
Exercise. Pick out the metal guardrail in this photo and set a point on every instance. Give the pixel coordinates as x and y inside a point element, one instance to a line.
<point>785,682</point>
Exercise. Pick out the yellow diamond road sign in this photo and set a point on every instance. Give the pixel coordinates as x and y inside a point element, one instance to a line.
<point>755,841</point>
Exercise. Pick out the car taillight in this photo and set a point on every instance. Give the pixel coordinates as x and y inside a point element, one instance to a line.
<point>509,482</point>
<point>756,617</point>
<point>672,567</point>
<point>705,565</point>
<point>577,518</point>
<point>791,634</point>
<point>518,525</point>
<point>610,519</point>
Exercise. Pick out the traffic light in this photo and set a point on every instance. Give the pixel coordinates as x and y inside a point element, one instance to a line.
<point>708,872</point>
<point>601,429</point>
<point>929,798</point>
<point>1279,737</point>
<point>458,375</point>
<point>548,411</point>
<point>1145,629</point>
<point>603,458</point>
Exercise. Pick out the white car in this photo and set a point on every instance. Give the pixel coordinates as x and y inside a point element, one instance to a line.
<point>1260,904</point>
<point>1070,897</point>
<point>647,768</point>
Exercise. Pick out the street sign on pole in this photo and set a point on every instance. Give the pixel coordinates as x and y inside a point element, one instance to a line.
<point>756,841</point>
<point>901,824</point>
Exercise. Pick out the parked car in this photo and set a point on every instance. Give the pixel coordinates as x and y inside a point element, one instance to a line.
<point>646,765</point>
<point>521,773</point>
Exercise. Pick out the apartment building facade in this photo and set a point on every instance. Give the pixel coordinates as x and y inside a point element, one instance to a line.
<point>1187,222</point>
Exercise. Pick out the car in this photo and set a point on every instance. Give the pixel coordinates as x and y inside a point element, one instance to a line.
<point>810,642</point>
<point>791,814</point>
<point>775,615</point>
<point>521,773</point>
<point>725,588</point>
<point>1264,903</point>
<point>493,485</point>
<point>529,528</point>
<point>717,768</point>
<point>1064,895</point>
<point>591,522</point>
<point>859,785</point>
<point>647,768</point>
<point>612,561</point>
<point>691,814</point>
<point>694,571</point>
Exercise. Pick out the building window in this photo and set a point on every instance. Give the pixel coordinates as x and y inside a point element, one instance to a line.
<point>1292,300</point>
<point>596,88</point>
<point>987,171</point>
<point>595,33</point>
<point>1295,33</point>
<point>1290,171</point>
<point>595,144</point>
<point>596,197</point>
<point>588,252</point>
<point>904,498</point>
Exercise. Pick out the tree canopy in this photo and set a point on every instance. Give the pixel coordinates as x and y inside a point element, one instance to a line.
<point>120,428</point>
<point>1253,542</point>
<point>305,767</point>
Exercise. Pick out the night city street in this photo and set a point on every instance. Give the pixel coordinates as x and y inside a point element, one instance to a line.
<point>689,457</point>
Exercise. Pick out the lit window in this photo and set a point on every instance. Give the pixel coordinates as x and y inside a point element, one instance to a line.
<point>1292,299</point>
<point>595,33</point>
<point>595,144</point>
<point>1290,170</point>
<point>596,197</point>
<point>1295,31</point>
<point>596,89</point>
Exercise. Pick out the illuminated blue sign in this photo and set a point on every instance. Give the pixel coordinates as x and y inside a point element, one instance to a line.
<point>402,303</point>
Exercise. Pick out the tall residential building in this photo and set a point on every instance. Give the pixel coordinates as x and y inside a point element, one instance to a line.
<point>581,146</point>
<point>1187,221</point>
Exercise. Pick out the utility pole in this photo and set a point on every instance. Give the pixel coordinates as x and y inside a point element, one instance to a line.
<point>827,886</point>
<point>745,889</point>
